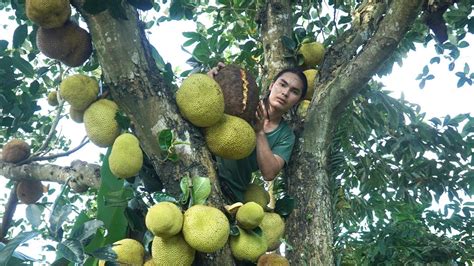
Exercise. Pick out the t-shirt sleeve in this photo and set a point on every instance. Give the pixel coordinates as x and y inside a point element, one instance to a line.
<point>284,146</point>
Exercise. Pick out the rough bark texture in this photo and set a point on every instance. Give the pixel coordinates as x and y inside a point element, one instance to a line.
<point>137,87</point>
<point>343,74</point>
<point>275,23</point>
<point>81,175</point>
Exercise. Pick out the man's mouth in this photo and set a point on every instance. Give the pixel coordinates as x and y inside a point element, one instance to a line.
<point>281,101</point>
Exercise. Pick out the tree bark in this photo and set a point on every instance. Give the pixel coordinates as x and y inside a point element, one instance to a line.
<point>310,227</point>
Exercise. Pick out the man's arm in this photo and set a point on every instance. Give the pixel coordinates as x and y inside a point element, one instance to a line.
<point>269,164</point>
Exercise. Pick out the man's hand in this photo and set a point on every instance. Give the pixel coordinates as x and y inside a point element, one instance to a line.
<point>259,118</point>
<point>211,73</point>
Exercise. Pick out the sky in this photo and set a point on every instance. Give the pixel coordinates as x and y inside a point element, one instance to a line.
<point>439,98</point>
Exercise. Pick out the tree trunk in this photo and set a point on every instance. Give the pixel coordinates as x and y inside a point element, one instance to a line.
<point>344,72</point>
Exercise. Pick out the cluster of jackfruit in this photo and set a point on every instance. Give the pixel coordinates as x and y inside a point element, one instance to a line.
<point>201,101</point>
<point>313,54</point>
<point>178,236</point>
<point>58,37</point>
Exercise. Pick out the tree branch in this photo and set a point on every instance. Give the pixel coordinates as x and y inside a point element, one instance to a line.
<point>83,175</point>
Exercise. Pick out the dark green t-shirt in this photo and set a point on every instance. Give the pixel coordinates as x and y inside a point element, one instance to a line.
<point>235,175</point>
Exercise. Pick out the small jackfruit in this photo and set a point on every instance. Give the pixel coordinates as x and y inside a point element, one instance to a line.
<point>129,251</point>
<point>76,115</point>
<point>312,52</point>
<point>272,259</point>
<point>29,191</point>
<point>15,151</point>
<point>99,121</point>
<point>258,194</point>
<point>205,228</point>
<point>302,110</point>
<point>311,78</point>
<point>53,98</point>
<point>48,14</point>
<point>164,219</point>
<point>250,215</point>
<point>70,44</point>
<point>126,157</point>
<point>172,251</point>
<point>231,138</point>
<point>247,246</point>
<point>273,228</point>
<point>200,100</point>
<point>79,91</point>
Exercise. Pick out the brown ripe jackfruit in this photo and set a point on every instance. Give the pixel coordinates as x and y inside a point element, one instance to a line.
<point>69,43</point>
<point>29,191</point>
<point>15,151</point>
<point>272,259</point>
<point>48,14</point>
<point>240,92</point>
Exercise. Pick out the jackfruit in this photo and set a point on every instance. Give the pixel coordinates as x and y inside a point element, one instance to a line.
<point>99,121</point>
<point>258,194</point>
<point>200,100</point>
<point>250,215</point>
<point>205,228</point>
<point>311,78</point>
<point>53,98</point>
<point>149,262</point>
<point>164,219</point>
<point>273,228</point>
<point>312,52</point>
<point>302,110</point>
<point>129,251</point>
<point>231,138</point>
<point>76,115</point>
<point>70,44</point>
<point>48,14</point>
<point>29,191</point>
<point>15,151</point>
<point>240,92</point>
<point>126,157</point>
<point>172,251</point>
<point>247,246</point>
<point>272,260</point>
<point>79,91</point>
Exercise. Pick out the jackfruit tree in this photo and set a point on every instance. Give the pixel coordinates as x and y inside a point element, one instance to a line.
<point>364,174</point>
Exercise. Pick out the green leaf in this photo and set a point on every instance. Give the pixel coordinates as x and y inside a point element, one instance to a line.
<point>234,230</point>
<point>160,63</point>
<point>86,231</point>
<point>33,214</point>
<point>285,206</point>
<point>7,251</point>
<point>289,43</point>
<point>23,65</point>
<point>19,36</point>
<point>122,120</point>
<point>185,184</point>
<point>201,52</point>
<point>95,6</point>
<point>3,45</point>
<point>71,250</point>
<point>201,189</point>
<point>105,253</point>
<point>142,4</point>
<point>116,9</point>
<point>165,139</point>
<point>160,196</point>
<point>435,59</point>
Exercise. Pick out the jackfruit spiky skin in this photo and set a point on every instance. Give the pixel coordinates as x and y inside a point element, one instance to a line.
<point>200,100</point>
<point>99,121</point>
<point>247,246</point>
<point>164,219</point>
<point>205,228</point>
<point>76,115</point>
<point>48,13</point>
<point>15,151</point>
<point>256,193</point>
<point>79,91</point>
<point>250,215</point>
<point>69,43</point>
<point>303,108</point>
<point>313,53</point>
<point>273,228</point>
<point>311,78</point>
<point>53,98</point>
<point>231,138</point>
<point>172,251</point>
<point>129,251</point>
<point>272,260</point>
<point>126,157</point>
<point>29,191</point>
<point>149,262</point>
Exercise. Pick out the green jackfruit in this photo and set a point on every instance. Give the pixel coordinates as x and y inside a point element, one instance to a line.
<point>129,251</point>
<point>172,251</point>
<point>231,138</point>
<point>256,193</point>
<point>313,53</point>
<point>53,98</point>
<point>126,157</point>
<point>250,215</point>
<point>247,246</point>
<point>311,78</point>
<point>303,108</point>
<point>164,219</point>
<point>48,14</point>
<point>200,100</point>
<point>99,120</point>
<point>273,228</point>
<point>79,91</point>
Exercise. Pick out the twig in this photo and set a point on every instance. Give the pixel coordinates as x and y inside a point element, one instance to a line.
<point>10,209</point>
<point>54,156</point>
